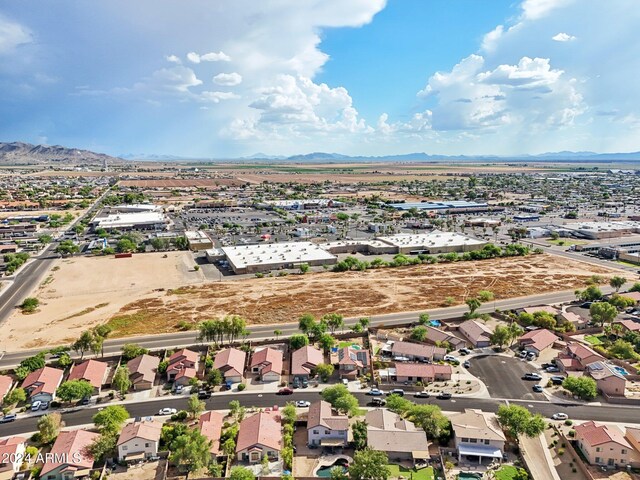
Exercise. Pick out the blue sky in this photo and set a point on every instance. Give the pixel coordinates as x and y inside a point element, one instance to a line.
<point>227,78</point>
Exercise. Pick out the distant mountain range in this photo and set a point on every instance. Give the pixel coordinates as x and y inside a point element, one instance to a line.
<point>19,153</point>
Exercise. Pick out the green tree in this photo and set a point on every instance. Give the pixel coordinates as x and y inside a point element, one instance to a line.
<point>84,343</point>
<point>431,419</point>
<point>324,370</point>
<point>29,305</point>
<point>67,247</point>
<point>338,473</point>
<point>304,268</point>
<point>241,473</point>
<point>423,319</point>
<point>195,406</point>
<point>582,387</point>
<point>121,381</point>
<point>419,333</point>
<point>365,322</point>
<point>500,336</point>
<point>517,420</point>
<point>182,243</point>
<point>110,419</point>
<point>357,328</point>
<point>334,321</point>
<point>326,342</point>
<point>15,396</point>
<point>617,282</point>
<point>229,447</point>
<point>369,464</point>
<point>104,446</point>
<point>359,430</point>
<point>473,304</point>
<point>132,350</point>
<point>126,245</point>
<point>289,414</point>
<point>623,350</point>
<point>589,294</point>
<point>635,287</point>
<point>485,296</point>
<point>398,404</point>
<point>190,452</point>
<point>215,378</point>
<point>45,238</point>
<point>621,302</point>
<point>64,360</point>
<point>306,323</point>
<point>515,331</point>
<point>603,312</point>
<point>347,404</point>
<point>277,333</point>
<point>74,390</point>
<point>49,427</point>
<point>298,341</point>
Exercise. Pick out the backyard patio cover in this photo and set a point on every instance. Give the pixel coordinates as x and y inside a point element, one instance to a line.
<point>420,454</point>
<point>331,442</point>
<point>480,451</point>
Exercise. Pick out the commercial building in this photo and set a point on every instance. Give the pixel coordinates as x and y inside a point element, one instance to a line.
<point>198,240</point>
<point>272,256</point>
<point>598,230</point>
<point>131,221</point>
<point>303,204</point>
<point>433,242</point>
<point>455,206</point>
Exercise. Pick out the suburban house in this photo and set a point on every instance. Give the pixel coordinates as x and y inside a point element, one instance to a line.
<point>605,445</point>
<point>633,437</point>
<point>580,323</point>
<point>182,366</point>
<point>477,434</point>
<point>422,372</point>
<point>477,333</point>
<point>142,371</point>
<point>70,457</point>
<point>416,351</point>
<point>230,362</point>
<point>210,425</point>
<point>325,428</point>
<point>537,341</point>
<point>576,357</point>
<point>304,360</point>
<point>92,371</point>
<point>259,435</point>
<point>437,337</point>
<point>268,364</point>
<point>5,385</point>
<point>139,441</point>
<point>398,437</point>
<point>352,362</point>
<point>42,384</point>
<point>629,325</point>
<point>539,308</point>
<point>11,456</point>
<point>608,380</point>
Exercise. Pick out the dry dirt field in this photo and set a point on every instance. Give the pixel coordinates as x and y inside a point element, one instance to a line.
<point>150,294</point>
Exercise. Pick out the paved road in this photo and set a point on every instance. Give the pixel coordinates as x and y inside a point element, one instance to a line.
<point>261,332</point>
<point>503,377</point>
<point>221,401</point>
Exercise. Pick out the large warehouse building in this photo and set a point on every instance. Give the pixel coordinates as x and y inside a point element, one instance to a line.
<point>453,206</point>
<point>433,242</point>
<point>151,220</point>
<point>597,230</point>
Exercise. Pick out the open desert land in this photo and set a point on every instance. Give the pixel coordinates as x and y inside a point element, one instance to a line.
<point>150,294</point>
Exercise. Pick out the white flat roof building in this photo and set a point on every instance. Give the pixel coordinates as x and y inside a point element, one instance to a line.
<point>596,230</point>
<point>270,256</point>
<point>136,207</point>
<point>433,242</point>
<point>198,240</point>
<point>141,220</point>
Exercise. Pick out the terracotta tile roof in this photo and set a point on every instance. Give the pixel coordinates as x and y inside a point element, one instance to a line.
<point>593,434</point>
<point>416,349</point>
<point>73,447</point>
<point>424,370</point>
<point>184,354</point>
<point>91,370</point>
<point>147,430</point>
<point>143,368</point>
<point>210,425</point>
<point>541,308</point>
<point>260,429</point>
<point>230,362</point>
<point>321,414</point>
<point>436,335</point>
<point>475,331</point>
<point>270,359</point>
<point>187,373</point>
<point>630,325</point>
<point>5,384</point>
<point>581,351</point>
<point>9,448</point>
<point>305,359</point>
<point>539,339</point>
<point>43,380</point>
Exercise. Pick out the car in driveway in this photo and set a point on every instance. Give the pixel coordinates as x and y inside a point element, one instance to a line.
<point>537,388</point>
<point>464,351</point>
<point>557,379</point>
<point>375,392</point>
<point>523,354</point>
<point>44,405</point>
<point>302,403</point>
<point>444,396</point>
<point>11,417</point>
<point>531,376</point>
<point>560,416</point>
<point>35,406</point>
<point>552,369</point>
<point>285,391</point>
<point>451,358</point>
<point>421,394</point>
<point>167,411</point>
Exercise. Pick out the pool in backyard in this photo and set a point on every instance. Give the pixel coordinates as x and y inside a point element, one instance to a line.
<point>435,323</point>
<point>325,472</point>
<point>469,476</point>
<point>620,370</point>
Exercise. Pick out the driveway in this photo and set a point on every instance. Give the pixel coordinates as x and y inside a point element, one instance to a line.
<point>503,377</point>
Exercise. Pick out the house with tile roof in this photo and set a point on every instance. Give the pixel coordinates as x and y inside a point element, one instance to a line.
<point>182,366</point>
<point>12,450</point>
<point>70,456</point>
<point>605,445</point>
<point>629,325</point>
<point>422,372</point>
<point>267,363</point>
<point>576,357</point>
<point>477,434</point>
<point>608,379</point>
<point>437,336</point>
<point>92,371</point>
<point>476,332</point>
<point>326,428</point>
<point>352,362</point>
<point>537,341</point>
<point>142,371</point>
<point>230,362</point>
<point>210,425</point>
<point>305,360</point>
<point>417,351</point>
<point>42,384</point>
<point>6,382</point>
<point>139,441</point>
<point>396,436</point>
<point>259,435</point>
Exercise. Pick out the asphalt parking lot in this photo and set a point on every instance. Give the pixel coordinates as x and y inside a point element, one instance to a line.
<point>503,377</point>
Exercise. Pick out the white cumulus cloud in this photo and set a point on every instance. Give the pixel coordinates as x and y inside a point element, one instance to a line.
<point>217,97</point>
<point>228,79</point>
<point>173,59</point>
<point>563,37</point>
<point>194,57</point>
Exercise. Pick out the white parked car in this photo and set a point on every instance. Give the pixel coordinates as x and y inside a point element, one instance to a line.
<point>451,358</point>
<point>559,416</point>
<point>302,403</point>
<point>167,411</point>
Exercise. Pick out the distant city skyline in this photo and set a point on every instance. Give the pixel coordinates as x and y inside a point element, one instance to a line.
<point>358,77</point>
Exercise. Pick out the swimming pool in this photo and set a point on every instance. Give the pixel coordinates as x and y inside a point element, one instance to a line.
<point>469,476</point>
<point>325,472</point>
<point>435,323</point>
<point>620,370</point>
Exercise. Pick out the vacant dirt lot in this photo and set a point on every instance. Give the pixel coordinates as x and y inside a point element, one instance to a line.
<point>283,299</point>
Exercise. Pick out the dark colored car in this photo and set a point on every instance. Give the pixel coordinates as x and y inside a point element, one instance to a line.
<point>537,388</point>
<point>203,394</point>
<point>285,391</point>
<point>84,401</point>
<point>444,396</point>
